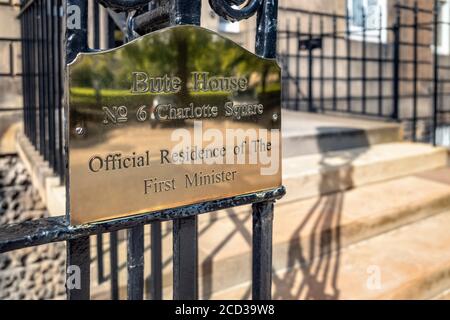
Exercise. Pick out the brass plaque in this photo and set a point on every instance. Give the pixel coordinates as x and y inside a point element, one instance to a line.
<point>177,117</point>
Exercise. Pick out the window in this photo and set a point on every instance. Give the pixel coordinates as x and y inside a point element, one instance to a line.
<point>227,26</point>
<point>444,28</point>
<point>376,19</point>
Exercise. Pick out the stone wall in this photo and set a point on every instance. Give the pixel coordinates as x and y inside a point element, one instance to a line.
<point>32,273</point>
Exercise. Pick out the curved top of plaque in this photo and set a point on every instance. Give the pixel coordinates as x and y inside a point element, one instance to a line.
<point>199,34</point>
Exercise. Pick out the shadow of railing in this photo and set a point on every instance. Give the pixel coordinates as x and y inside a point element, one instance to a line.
<point>315,246</point>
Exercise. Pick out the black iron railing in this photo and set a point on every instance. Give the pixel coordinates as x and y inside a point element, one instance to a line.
<point>50,41</point>
<point>42,43</point>
<point>391,69</point>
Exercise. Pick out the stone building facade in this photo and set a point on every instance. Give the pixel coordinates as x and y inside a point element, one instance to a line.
<point>32,273</point>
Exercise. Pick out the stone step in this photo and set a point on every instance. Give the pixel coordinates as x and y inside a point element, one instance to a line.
<point>320,174</point>
<point>305,230</point>
<point>412,262</point>
<point>308,133</point>
<point>312,175</point>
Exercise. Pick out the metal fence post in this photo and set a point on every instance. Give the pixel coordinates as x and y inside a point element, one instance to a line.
<point>415,70</point>
<point>156,261</point>
<point>185,238</point>
<point>311,107</point>
<point>266,38</point>
<point>435,70</point>
<point>135,263</point>
<point>185,259</point>
<point>396,66</point>
<point>262,250</point>
<point>78,271</point>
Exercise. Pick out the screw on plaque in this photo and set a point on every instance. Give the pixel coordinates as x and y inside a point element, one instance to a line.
<point>79,130</point>
<point>275,117</point>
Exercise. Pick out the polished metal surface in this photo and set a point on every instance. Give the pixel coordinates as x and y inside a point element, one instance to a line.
<point>130,107</point>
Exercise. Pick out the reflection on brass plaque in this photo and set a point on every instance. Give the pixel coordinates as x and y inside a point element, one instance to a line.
<point>177,117</point>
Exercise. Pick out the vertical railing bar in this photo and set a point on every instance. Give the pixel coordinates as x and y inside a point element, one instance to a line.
<point>114,265</point>
<point>40,65</point>
<point>415,65</point>
<point>262,250</point>
<point>33,77</point>
<point>396,66</point>
<point>78,269</point>
<point>156,261</point>
<point>185,12</point>
<point>334,62</point>
<point>75,42</point>
<point>310,68</point>
<point>58,89</point>
<point>349,65</point>
<point>266,30</point>
<point>96,16</point>
<point>185,259</point>
<point>263,212</point>
<point>45,84</point>
<point>435,70</point>
<point>78,250</point>
<point>100,260</point>
<point>135,263</point>
<point>96,44</point>
<point>322,76</point>
<point>26,69</point>
<point>185,238</point>
<point>297,66</point>
<point>50,83</point>
<point>111,29</point>
<point>364,64</point>
<point>76,38</point>
<point>380,67</point>
<point>287,64</point>
<point>33,65</point>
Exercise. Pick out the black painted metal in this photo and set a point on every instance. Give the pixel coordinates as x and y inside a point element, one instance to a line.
<point>156,262</point>
<point>266,32</point>
<point>185,259</point>
<point>135,263</point>
<point>225,9</point>
<point>262,250</point>
<point>385,67</point>
<point>76,28</point>
<point>185,12</point>
<point>124,5</point>
<point>42,26</point>
<point>114,265</point>
<point>42,231</point>
<point>396,65</point>
<point>435,69</point>
<point>78,269</point>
